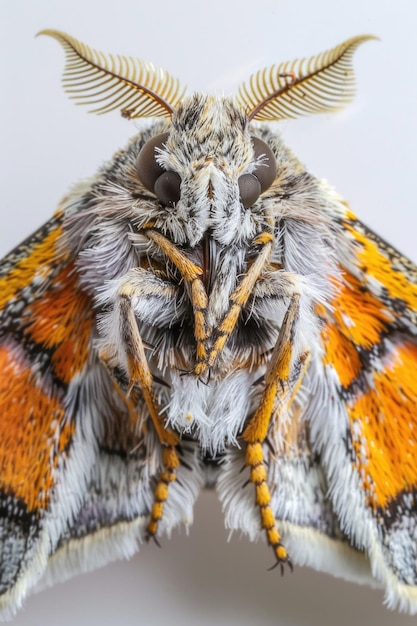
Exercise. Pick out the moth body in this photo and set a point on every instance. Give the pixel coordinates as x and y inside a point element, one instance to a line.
<point>209,146</point>
<point>203,311</point>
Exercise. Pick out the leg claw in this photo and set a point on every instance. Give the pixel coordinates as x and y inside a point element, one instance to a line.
<point>281,564</point>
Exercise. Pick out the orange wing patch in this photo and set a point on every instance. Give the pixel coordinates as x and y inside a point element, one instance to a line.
<point>40,260</point>
<point>376,367</point>
<point>341,354</point>
<point>29,437</point>
<point>359,320</point>
<point>62,321</point>
<point>377,265</point>
<point>384,426</point>
<point>57,321</point>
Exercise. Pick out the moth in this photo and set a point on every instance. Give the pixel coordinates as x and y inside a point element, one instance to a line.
<point>204,312</point>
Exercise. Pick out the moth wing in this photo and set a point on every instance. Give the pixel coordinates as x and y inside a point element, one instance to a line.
<point>77,461</point>
<point>364,425</point>
<point>343,478</point>
<point>45,334</point>
<point>117,499</point>
<point>299,488</point>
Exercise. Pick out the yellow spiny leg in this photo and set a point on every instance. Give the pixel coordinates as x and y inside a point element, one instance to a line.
<point>238,300</point>
<point>258,475</point>
<point>282,381</point>
<point>141,377</point>
<point>170,462</point>
<point>277,377</point>
<point>191,274</point>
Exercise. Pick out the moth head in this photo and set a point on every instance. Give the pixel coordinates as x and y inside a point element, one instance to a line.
<point>166,184</point>
<point>320,84</point>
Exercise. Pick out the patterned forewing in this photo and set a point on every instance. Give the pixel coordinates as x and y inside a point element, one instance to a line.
<point>45,332</point>
<point>370,345</point>
<point>78,460</point>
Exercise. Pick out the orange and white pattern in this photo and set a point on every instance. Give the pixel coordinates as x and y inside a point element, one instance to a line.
<point>204,304</point>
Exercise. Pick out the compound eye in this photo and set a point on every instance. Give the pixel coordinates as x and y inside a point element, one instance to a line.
<point>266,171</point>
<point>168,188</point>
<point>147,167</point>
<point>249,188</point>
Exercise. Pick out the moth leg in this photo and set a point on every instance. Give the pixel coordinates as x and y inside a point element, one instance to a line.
<point>238,300</point>
<point>210,343</point>
<point>140,377</point>
<point>191,274</point>
<point>282,381</point>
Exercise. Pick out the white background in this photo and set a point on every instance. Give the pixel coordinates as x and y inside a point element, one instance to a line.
<point>368,152</point>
